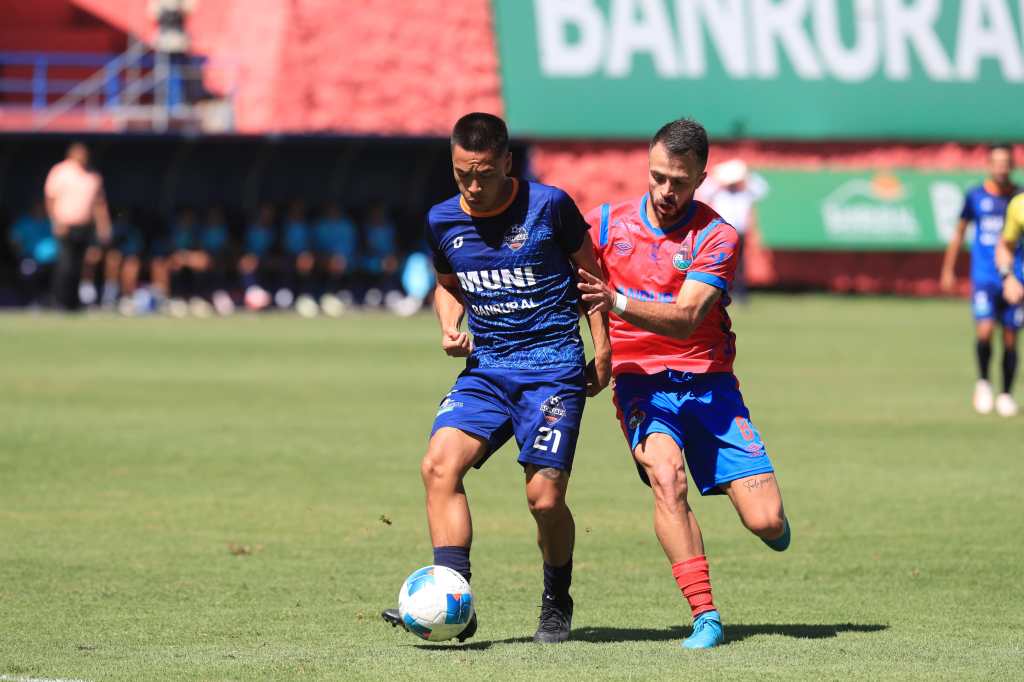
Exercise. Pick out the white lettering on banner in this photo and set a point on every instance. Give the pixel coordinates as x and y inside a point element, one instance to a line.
<point>558,58</point>
<point>646,30</point>
<point>906,24</point>
<point>988,32</point>
<point>947,200</point>
<point>891,38</point>
<point>727,28</point>
<point>782,23</point>
<point>858,63</point>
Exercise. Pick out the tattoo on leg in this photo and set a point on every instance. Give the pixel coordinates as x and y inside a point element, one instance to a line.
<point>756,483</point>
<point>550,473</point>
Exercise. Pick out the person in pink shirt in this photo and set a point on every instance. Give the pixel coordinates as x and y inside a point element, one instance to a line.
<point>77,206</point>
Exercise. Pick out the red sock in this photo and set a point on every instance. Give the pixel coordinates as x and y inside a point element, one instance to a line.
<point>695,584</point>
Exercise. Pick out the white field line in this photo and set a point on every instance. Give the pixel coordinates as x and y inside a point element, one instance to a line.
<point>12,678</point>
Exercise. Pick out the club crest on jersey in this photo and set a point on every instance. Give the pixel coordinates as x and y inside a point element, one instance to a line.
<point>622,247</point>
<point>636,418</point>
<point>553,409</point>
<point>516,237</point>
<point>680,261</point>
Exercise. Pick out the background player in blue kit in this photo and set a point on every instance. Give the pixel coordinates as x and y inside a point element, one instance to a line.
<point>985,207</point>
<point>505,253</point>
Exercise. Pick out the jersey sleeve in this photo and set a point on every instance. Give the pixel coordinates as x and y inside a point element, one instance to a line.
<point>594,218</point>
<point>1013,230</point>
<point>441,263</point>
<point>967,212</point>
<point>715,260</point>
<point>569,227</point>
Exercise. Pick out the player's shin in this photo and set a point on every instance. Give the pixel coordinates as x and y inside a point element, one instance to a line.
<point>694,581</point>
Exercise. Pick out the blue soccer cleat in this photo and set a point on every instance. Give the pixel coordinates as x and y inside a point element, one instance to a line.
<point>781,543</point>
<point>707,632</point>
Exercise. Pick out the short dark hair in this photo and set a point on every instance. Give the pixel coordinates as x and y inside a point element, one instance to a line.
<point>479,132</point>
<point>684,136</point>
<point>1000,145</point>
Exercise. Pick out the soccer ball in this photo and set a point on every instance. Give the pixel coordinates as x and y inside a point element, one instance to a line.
<point>435,603</point>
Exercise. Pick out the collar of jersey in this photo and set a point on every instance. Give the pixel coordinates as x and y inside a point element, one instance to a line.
<point>671,228</point>
<point>495,211</point>
<point>993,189</point>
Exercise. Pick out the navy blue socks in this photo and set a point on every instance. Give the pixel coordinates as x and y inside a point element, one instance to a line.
<point>455,558</point>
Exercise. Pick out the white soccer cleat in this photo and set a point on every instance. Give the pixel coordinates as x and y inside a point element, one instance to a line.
<point>1006,406</point>
<point>177,307</point>
<point>983,400</point>
<point>332,305</point>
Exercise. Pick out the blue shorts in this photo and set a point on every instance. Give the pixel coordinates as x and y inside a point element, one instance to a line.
<point>987,303</point>
<point>541,408</point>
<point>703,413</point>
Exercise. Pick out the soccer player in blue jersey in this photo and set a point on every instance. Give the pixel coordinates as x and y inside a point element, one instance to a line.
<point>985,208</point>
<point>505,252</point>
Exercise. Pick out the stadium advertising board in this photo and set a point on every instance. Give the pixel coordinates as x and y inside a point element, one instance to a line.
<point>783,69</point>
<point>885,211</point>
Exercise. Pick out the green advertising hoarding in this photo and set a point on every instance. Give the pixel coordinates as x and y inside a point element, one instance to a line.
<point>771,69</point>
<point>903,210</point>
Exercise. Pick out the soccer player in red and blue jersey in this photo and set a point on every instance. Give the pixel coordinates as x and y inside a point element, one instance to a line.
<point>668,262</point>
<point>506,253</point>
<point>985,208</point>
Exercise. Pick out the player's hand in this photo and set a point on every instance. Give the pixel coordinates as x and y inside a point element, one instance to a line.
<point>456,344</point>
<point>597,295</point>
<point>1013,290</point>
<point>599,374</point>
<point>947,282</point>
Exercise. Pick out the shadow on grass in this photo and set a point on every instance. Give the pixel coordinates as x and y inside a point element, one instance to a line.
<point>733,633</point>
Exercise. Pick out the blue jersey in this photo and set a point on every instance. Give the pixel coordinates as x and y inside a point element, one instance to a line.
<point>986,208</point>
<point>517,280</point>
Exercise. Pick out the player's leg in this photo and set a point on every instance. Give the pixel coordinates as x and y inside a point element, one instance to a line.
<point>112,263</point>
<point>758,501</point>
<point>91,261</point>
<point>983,305</point>
<point>1012,317</point>
<point>547,418</point>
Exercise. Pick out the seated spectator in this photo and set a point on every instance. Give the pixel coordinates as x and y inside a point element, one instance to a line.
<point>299,260</point>
<point>189,267</point>
<point>335,240</point>
<point>254,266</point>
<point>380,261</point>
<point>36,251</point>
<point>214,240</point>
<point>122,262</point>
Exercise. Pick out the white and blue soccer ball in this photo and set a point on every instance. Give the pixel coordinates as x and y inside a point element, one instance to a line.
<point>435,603</point>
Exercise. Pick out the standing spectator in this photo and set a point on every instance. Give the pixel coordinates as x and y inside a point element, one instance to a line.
<point>299,261</point>
<point>254,266</point>
<point>381,260</point>
<point>733,193</point>
<point>76,205</point>
<point>36,250</point>
<point>335,240</point>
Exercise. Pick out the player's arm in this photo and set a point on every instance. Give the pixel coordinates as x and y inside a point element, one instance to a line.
<point>450,310</point>
<point>1013,288</point>
<point>947,278</point>
<point>676,320</point>
<point>599,370</point>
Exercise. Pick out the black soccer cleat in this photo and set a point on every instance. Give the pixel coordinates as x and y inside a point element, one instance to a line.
<point>394,618</point>
<point>555,620</point>
<point>469,631</point>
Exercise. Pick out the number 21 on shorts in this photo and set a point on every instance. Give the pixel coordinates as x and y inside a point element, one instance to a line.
<point>547,439</point>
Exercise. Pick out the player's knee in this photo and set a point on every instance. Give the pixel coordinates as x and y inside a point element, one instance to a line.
<point>768,524</point>
<point>668,481</point>
<point>546,503</point>
<point>437,470</point>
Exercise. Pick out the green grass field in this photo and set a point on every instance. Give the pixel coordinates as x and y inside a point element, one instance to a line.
<point>237,499</point>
